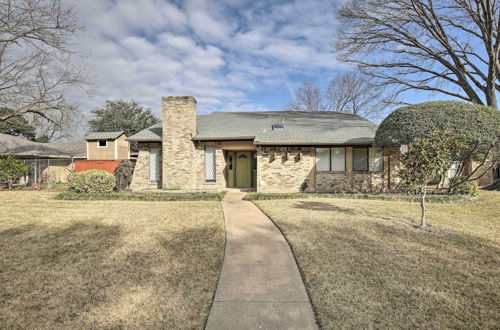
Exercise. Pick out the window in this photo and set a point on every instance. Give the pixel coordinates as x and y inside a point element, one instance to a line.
<point>337,159</point>
<point>210,164</point>
<point>102,143</point>
<point>154,164</point>
<point>322,159</point>
<point>375,159</point>
<point>367,159</point>
<point>330,159</point>
<point>452,172</point>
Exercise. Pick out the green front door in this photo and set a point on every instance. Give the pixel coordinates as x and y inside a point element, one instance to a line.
<point>243,169</point>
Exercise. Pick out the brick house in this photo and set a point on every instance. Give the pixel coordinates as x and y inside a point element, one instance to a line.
<point>272,151</point>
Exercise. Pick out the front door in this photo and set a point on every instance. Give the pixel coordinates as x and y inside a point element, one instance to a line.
<point>243,169</point>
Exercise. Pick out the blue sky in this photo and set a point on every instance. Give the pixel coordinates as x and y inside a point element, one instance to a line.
<point>231,55</point>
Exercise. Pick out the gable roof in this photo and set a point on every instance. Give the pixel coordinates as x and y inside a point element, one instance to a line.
<point>13,145</point>
<point>299,128</point>
<point>103,135</point>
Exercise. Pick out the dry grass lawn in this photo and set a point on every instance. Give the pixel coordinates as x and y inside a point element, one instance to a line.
<point>107,264</point>
<point>365,264</point>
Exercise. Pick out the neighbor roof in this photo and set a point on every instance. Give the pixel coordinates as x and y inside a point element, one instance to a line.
<point>103,135</point>
<point>13,145</point>
<point>299,128</point>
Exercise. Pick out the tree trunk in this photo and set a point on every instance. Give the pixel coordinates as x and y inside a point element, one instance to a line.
<point>423,192</point>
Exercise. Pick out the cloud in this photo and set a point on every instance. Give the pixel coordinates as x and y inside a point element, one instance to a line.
<point>225,53</point>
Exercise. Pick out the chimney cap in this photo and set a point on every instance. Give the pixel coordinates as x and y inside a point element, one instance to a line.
<point>169,98</point>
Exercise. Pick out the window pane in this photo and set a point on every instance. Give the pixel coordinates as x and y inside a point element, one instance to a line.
<point>376,160</point>
<point>338,159</point>
<point>360,159</point>
<point>154,164</point>
<point>210,164</point>
<point>322,159</point>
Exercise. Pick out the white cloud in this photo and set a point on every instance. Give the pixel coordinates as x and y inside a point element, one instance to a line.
<point>221,52</point>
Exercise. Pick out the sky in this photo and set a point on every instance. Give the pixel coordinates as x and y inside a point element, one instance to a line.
<point>231,55</point>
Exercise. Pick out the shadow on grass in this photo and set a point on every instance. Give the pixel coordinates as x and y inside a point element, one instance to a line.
<point>322,206</point>
<point>81,276</point>
<point>368,273</point>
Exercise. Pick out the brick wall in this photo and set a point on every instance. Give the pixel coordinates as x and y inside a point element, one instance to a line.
<point>179,125</point>
<point>350,181</point>
<point>284,169</point>
<point>140,179</point>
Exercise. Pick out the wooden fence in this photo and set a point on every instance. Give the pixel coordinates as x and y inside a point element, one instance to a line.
<point>106,165</point>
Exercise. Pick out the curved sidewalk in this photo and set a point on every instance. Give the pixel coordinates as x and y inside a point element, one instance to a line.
<point>260,286</point>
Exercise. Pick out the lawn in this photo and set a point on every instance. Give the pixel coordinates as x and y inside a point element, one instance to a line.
<point>107,264</point>
<point>366,265</point>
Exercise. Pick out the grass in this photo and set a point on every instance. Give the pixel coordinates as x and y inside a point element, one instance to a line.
<point>107,264</point>
<point>383,197</point>
<point>141,197</point>
<point>366,265</point>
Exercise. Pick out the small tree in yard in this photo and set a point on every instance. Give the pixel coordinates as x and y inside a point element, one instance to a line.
<point>11,170</point>
<point>429,158</point>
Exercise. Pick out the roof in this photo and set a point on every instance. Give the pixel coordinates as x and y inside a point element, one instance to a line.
<point>13,145</point>
<point>299,128</point>
<point>150,134</point>
<point>103,135</point>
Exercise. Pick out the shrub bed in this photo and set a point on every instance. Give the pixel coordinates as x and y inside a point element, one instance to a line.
<point>383,197</point>
<point>140,197</point>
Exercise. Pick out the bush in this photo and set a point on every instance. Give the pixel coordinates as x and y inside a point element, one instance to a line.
<point>11,170</point>
<point>123,174</point>
<point>93,181</point>
<point>463,187</point>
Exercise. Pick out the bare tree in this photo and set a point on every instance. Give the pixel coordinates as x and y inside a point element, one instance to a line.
<point>447,46</point>
<point>307,97</point>
<point>353,92</point>
<point>36,60</point>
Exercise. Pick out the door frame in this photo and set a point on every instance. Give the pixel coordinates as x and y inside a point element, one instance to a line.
<point>232,161</point>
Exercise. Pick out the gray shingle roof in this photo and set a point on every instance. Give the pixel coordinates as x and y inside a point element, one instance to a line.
<point>13,145</point>
<point>103,135</point>
<point>150,134</point>
<point>300,128</point>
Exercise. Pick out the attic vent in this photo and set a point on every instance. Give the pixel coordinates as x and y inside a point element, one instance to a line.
<point>278,126</point>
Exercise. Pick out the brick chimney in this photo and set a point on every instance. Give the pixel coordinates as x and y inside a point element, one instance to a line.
<point>179,125</point>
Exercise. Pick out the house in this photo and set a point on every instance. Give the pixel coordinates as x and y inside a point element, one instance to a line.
<point>48,162</point>
<point>107,146</point>
<point>271,151</point>
<point>105,151</point>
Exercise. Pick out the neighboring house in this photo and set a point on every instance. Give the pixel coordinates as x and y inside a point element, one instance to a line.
<point>48,162</point>
<point>107,146</point>
<point>105,151</point>
<point>272,151</point>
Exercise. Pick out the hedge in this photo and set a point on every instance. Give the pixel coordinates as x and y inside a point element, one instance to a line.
<point>140,197</point>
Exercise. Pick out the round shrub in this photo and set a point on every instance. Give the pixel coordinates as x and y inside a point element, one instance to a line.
<point>123,174</point>
<point>93,181</point>
<point>406,124</point>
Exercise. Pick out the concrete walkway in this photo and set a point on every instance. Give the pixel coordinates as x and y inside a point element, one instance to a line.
<point>260,286</point>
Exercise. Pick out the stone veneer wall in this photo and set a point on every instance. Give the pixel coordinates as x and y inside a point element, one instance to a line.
<point>285,169</point>
<point>140,178</point>
<point>199,168</point>
<point>179,125</point>
<point>350,181</point>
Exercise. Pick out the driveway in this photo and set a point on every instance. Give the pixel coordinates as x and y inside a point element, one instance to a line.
<point>260,285</point>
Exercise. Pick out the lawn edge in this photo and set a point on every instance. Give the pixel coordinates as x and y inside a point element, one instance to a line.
<point>301,272</point>
<point>184,197</point>
<point>441,199</point>
<point>221,267</point>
